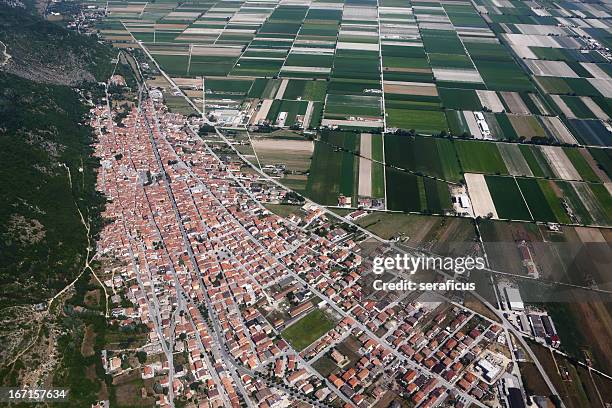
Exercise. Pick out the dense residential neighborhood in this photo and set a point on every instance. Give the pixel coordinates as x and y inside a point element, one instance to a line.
<point>244,307</point>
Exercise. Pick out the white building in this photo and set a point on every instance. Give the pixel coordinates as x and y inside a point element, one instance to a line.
<point>513,296</point>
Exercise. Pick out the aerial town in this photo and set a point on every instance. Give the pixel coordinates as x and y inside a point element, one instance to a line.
<point>306,203</point>
<point>246,308</point>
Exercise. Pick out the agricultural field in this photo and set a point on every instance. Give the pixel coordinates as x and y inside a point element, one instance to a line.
<point>411,85</point>
<point>333,171</point>
<point>410,193</point>
<point>539,199</point>
<point>293,153</point>
<point>387,65</point>
<point>371,167</point>
<point>426,155</point>
<point>507,198</point>
<point>349,164</point>
<point>480,157</point>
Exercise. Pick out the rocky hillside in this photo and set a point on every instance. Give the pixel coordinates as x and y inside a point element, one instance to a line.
<point>46,75</point>
<point>45,52</point>
<point>41,132</point>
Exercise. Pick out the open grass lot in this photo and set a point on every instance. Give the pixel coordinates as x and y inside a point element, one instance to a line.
<point>284,210</point>
<point>532,379</point>
<point>387,225</point>
<point>443,235</point>
<point>499,240</point>
<point>480,157</point>
<point>309,328</point>
<point>178,105</point>
<point>325,366</point>
<point>295,154</point>
<point>566,389</point>
<point>593,318</point>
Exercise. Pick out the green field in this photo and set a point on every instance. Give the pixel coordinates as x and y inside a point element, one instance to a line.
<point>306,90</point>
<point>305,331</point>
<point>333,171</point>
<point>426,155</point>
<point>460,99</point>
<point>603,158</point>
<point>410,193</point>
<point>352,105</point>
<point>507,198</point>
<point>580,164</point>
<point>537,200</point>
<point>403,192</point>
<point>447,156</point>
<point>422,121</point>
<point>437,196</point>
<point>506,76</point>
<point>575,203</point>
<point>553,201</point>
<point>603,203</point>
<point>293,109</point>
<point>480,157</point>
<point>352,71</point>
<point>457,124</point>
